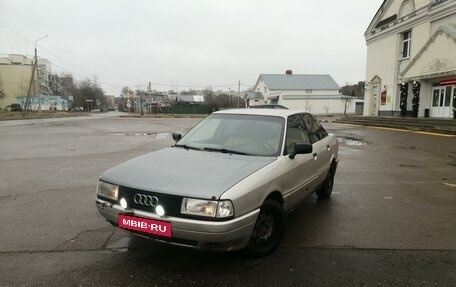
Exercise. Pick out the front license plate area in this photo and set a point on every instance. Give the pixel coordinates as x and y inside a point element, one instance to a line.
<point>150,226</point>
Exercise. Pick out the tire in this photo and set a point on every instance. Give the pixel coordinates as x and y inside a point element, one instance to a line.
<point>268,231</point>
<point>327,188</point>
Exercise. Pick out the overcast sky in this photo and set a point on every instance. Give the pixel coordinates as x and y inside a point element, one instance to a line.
<point>192,44</point>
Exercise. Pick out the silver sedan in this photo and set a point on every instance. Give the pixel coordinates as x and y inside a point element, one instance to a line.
<point>225,185</point>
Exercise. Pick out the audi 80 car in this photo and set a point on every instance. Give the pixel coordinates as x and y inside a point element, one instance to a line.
<point>225,185</point>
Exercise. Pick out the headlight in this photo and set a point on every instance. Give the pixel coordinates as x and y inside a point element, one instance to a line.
<point>107,190</point>
<point>209,208</point>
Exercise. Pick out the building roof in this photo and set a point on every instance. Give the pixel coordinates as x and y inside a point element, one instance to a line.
<point>261,112</point>
<point>375,20</point>
<point>254,95</point>
<point>191,98</point>
<point>299,82</point>
<point>450,32</point>
<point>379,23</point>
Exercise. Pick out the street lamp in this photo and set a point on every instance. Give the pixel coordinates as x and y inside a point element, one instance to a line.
<point>37,89</point>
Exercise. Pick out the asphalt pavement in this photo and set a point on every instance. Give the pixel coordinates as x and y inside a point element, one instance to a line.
<point>390,221</point>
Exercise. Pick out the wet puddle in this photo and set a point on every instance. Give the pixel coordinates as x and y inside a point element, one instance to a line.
<point>152,135</point>
<point>351,141</point>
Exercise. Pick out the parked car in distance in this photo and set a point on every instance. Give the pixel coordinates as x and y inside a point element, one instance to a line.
<point>15,107</point>
<point>225,185</point>
<point>269,106</point>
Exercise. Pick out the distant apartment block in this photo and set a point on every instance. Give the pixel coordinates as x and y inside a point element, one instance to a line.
<point>15,76</point>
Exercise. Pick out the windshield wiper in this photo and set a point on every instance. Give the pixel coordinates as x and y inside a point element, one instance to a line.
<point>224,150</point>
<point>187,147</point>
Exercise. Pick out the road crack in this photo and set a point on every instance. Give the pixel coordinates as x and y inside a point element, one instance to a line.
<point>73,239</point>
<point>44,191</point>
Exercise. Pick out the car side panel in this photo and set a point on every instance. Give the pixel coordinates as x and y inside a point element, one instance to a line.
<point>293,178</point>
<point>299,180</point>
<point>322,150</point>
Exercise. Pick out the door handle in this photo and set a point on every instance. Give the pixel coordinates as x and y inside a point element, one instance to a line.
<point>328,147</point>
<point>315,155</point>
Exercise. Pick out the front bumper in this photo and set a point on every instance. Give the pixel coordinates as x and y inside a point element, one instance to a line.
<point>201,234</point>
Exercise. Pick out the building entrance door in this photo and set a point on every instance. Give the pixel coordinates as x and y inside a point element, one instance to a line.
<point>441,101</point>
<point>375,95</point>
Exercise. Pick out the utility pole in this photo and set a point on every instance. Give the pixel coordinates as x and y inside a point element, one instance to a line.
<point>37,90</point>
<point>27,101</point>
<point>140,104</point>
<point>239,92</point>
<point>149,95</point>
<point>37,87</point>
<point>229,98</point>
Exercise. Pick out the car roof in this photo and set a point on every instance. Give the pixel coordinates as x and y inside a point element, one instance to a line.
<point>271,106</point>
<point>262,112</point>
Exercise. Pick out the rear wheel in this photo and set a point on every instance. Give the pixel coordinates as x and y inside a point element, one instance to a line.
<point>326,190</point>
<point>268,231</point>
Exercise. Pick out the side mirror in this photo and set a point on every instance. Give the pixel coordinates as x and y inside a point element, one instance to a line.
<point>302,148</point>
<point>176,137</point>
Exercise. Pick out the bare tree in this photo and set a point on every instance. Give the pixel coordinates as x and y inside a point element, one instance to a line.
<point>347,100</point>
<point>189,92</point>
<point>209,97</point>
<point>308,105</point>
<point>326,108</point>
<point>357,90</point>
<point>88,94</point>
<point>126,90</point>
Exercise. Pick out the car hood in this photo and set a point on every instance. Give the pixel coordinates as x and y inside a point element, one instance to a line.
<point>191,173</point>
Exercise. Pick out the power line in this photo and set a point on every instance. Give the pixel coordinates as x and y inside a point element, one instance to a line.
<point>107,83</point>
<point>57,57</point>
<point>195,86</point>
<point>15,31</point>
<point>247,85</point>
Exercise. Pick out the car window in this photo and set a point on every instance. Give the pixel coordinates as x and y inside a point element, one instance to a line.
<point>247,134</point>
<point>316,130</point>
<point>204,131</point>
<point>322,133</point>
<point>296,133</point>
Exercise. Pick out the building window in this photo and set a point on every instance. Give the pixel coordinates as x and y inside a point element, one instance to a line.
<point>265,90</point>
<point>447,96</point>
<point>406,43</point>
<point>308,91</point>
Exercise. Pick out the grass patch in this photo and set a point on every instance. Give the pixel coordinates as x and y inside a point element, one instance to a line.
<point>174,116</point>
<point>4,115</point>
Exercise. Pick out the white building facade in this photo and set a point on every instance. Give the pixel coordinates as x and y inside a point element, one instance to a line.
<point>411,59</point>
<point>317,94</point>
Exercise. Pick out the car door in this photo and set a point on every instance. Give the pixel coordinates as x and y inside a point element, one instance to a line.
<point>321,146</point>
<point>300,175</point>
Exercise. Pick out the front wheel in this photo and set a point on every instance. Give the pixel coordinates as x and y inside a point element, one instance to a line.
<point>268,231</point>
<point>326,190</point>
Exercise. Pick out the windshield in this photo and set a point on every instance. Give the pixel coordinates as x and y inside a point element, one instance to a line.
<point>237,134</point>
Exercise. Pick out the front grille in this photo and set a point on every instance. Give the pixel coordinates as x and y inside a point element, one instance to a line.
<point>171,203</point>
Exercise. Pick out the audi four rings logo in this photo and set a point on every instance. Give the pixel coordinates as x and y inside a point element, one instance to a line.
<point>147,200</point>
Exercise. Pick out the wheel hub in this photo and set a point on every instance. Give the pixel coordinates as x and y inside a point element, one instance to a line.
<point>265,227</point>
